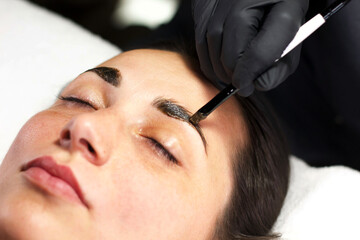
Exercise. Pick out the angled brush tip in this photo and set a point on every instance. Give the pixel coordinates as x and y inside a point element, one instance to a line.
<point>196,118</point>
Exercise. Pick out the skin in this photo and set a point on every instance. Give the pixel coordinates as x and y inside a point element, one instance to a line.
<point>131,191</point>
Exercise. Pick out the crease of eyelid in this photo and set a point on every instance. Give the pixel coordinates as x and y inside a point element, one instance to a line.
<point>170,108</point>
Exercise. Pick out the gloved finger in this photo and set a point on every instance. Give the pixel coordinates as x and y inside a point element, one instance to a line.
<point>204,59</point>
<point>214,38</point>
<point>246,91</point>
<point>278,73</point>
<point>240,29</point>
<point>279,28</point>
<point>203,10</point>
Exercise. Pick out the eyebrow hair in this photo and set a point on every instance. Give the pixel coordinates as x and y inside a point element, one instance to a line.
<point>176,111</point>
<point>109,75</point>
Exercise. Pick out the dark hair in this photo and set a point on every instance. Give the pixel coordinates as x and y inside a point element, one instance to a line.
<point>261,173</point>
<point>260,168</point>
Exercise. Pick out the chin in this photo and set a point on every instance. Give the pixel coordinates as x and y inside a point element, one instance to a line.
<point>19,217</point>
<point>28,213</point>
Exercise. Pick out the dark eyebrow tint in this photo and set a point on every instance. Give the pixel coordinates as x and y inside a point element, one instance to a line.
<point>174,110</point>
<point>110,75</point>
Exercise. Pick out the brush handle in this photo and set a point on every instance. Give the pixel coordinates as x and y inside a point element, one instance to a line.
<point>334,8</point>
<point>313,24</point>
<point>305,31</point>
<point>221,97</point>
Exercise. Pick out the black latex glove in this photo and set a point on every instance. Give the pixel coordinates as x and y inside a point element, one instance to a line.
<point>238,41</point>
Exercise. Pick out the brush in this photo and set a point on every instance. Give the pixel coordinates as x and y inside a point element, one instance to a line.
<point>305,31</point>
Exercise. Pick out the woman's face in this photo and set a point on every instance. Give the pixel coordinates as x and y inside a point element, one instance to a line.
<point>116,160</point>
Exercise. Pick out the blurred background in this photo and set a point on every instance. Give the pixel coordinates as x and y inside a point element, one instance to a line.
<point>127,23</point>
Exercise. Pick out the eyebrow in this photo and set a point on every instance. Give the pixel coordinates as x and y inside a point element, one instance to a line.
<point>176,111</point>
<point>109,75</point>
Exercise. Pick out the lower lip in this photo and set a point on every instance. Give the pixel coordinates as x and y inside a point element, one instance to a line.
<point>51,184</point>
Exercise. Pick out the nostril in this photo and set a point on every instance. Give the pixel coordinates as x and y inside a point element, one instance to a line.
<point>91,149</point>
<point>88,145</point>
<point>65,135</point>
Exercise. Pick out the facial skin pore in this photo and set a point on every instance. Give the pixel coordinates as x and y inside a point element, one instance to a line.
<point>143,173</point>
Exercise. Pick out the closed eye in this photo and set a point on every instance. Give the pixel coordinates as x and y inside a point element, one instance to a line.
<point>162,151</point>
<point>77,101</point>
<point>157,147</point>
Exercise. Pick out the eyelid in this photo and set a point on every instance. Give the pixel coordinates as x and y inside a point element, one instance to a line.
<point>78,100</point>
<point>163,151</point>
<point>88,90</point>
<point>152,138</point>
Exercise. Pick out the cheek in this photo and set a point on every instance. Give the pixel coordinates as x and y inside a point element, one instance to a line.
<point>145,205</point>
<point>36,136</point>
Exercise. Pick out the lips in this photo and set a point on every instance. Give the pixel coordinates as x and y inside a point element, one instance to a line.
<point>54,178</point>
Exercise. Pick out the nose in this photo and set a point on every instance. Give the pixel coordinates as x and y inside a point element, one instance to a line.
<point>82,134</point>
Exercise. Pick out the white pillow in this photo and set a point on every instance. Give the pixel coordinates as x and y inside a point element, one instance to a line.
<point>322,203</point>
<point>39,52</point>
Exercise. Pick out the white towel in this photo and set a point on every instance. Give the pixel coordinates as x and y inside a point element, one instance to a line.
<point>322,203</point>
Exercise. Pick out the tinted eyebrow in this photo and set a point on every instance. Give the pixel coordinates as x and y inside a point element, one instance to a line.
<point>174,110</point>
<point>109,75</point>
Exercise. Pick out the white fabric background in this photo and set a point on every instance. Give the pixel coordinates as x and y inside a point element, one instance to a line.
<point>40,52</point>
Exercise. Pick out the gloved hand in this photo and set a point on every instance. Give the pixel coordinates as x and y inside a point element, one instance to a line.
<point>238,41</point>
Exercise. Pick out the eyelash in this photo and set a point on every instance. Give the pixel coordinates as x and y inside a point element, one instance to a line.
<point>77,101</point>
<point>160,149</point>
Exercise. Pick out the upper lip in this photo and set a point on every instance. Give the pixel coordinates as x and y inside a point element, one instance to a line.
<point>62,172</point>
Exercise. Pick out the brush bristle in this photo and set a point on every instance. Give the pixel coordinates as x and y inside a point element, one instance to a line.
<point>196,118</point>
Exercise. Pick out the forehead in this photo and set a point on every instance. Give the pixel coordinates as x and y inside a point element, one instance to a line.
<point>161,71</point>
<point>154,73</point>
